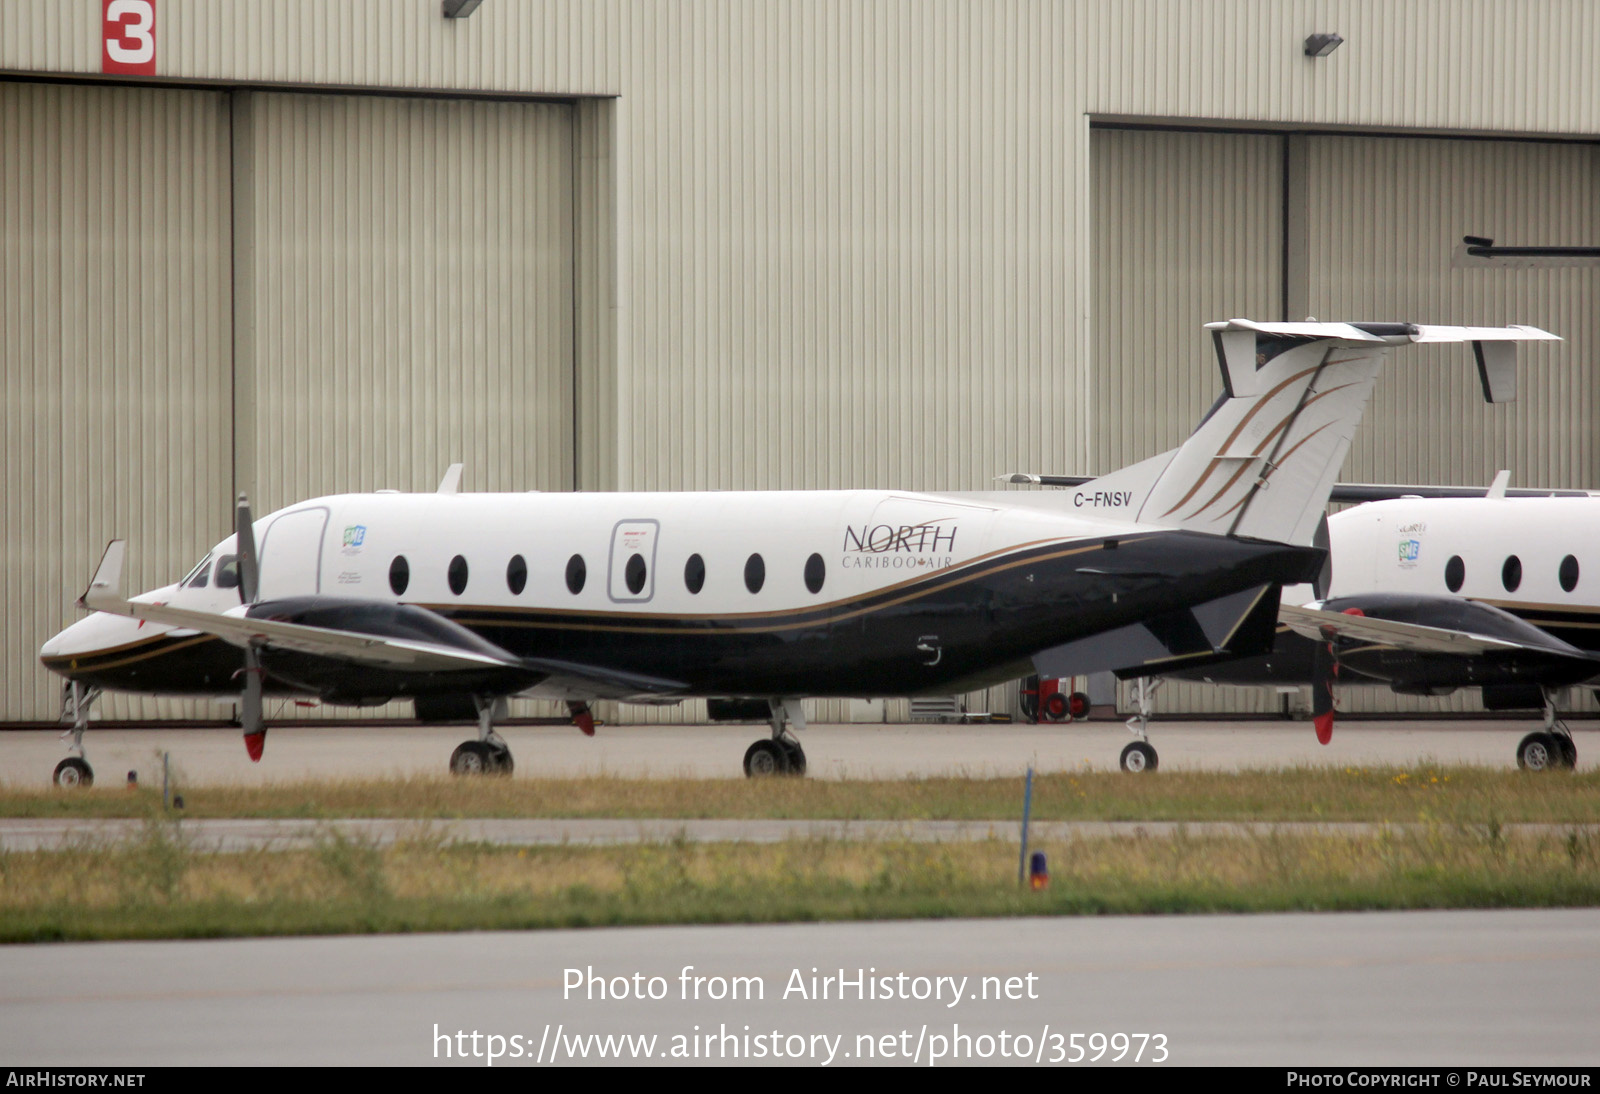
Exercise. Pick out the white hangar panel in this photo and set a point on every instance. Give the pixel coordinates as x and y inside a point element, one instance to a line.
<point>115,337</point>
<point>405,284</point>
<point>1384,218</point>
<point>1187,228</point>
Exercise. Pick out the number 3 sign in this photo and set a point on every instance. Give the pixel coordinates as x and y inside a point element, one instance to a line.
<point>128,36</point>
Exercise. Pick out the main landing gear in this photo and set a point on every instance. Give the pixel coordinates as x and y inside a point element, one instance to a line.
<point>781,753</point>
<point>489,754</point>
<point>1549,749</point>
<point>76,700</point>
<point>1140,755</point>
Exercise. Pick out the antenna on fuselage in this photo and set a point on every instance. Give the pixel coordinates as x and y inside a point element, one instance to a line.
<point>451,483</point>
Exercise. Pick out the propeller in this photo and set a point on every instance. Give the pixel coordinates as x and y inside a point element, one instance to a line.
<point>255,725</point>
<point>1324,671</point>
<point>1324,674</point>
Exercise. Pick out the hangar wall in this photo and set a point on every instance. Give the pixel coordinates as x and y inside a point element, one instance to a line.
<point>114,311</point>
<point>1182,217</point>
<point>838,243</point>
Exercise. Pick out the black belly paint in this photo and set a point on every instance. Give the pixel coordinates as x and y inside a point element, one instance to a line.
<point>949,631</point>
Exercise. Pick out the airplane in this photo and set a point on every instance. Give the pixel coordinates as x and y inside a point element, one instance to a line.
<point>1402,613</point>
<point>1432,590</point>
<point>458,601</point>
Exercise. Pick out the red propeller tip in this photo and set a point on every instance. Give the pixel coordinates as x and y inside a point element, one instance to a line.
<point>1324,724</point>
<point>585,722</point>
<point>255,744</point>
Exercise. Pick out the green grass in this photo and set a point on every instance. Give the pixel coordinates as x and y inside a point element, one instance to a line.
<point>159,886</point>
<point>1417,794</point>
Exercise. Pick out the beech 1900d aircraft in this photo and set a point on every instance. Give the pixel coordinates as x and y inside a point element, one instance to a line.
<point>1431,594</point>
<point>462,600</point>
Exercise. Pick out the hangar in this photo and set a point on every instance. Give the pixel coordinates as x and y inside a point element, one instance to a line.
<point>298,248</point>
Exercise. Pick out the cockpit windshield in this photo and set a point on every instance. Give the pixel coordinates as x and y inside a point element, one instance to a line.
<point>228,572</point>
<point>198,576</point>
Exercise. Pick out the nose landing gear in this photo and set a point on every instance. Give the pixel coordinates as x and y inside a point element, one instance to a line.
<point>74,771</point>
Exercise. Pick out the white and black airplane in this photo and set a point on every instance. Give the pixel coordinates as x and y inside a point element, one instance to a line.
<point>458,601</point>
<point>1431,594</point>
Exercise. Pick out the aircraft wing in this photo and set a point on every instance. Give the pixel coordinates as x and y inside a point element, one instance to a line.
<point>362,647</point>
<point>1318,625</point>
<point>105,595</point>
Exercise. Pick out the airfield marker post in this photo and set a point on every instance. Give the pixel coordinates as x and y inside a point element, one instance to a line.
<point>1027,807</point>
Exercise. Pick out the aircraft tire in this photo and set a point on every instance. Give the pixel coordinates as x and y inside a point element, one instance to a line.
<point>501,761</point>
<point>1139,757</point>
<point>72,773</point>
<point>796,756</point>
<point>1538,752</point>
<point>472,758</point>
<point>1568,750</point>
<point>765,758</point>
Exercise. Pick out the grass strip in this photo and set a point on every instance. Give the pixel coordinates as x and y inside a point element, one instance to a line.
<point>1412,794</point>
<point>159,886</point>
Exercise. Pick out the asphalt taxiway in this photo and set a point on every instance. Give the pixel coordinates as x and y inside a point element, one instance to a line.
<point>1452,989</point>
<point>352,751</point>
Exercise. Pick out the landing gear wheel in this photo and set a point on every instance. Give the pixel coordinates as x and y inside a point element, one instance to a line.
<point>1138,757</point>
<point>1056,707</point>
<point>472,758</point>
<point>1539,752</point>
<point>500,761</point>
<point>1566,750</point>
<point>73,772</point>
<point>766,757</point>
<point>795,755</point>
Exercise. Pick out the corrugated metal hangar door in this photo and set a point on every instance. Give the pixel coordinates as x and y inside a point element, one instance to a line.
<point>1187,228</point>
<point>284,293</point>
<point>1192,226</point>
<point>405,275</point>
<point>115,337</point>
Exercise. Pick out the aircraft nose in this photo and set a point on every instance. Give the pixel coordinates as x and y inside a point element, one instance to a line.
<point>93,634</point>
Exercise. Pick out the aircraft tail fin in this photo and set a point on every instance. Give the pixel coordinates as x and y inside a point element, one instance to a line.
<point>1263,461</point>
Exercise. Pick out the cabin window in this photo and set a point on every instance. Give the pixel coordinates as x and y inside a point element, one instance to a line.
<point>517,574</point>
<point>577,574</point>
<point>694,574</point>
<point>399,575</point>
<point>816,573</point>
<point>634,574</point>
<point>1455,572</point>
<point>1569,574</point>
<point>198,576</point>
<point>755,573</point>
<point>228,572</point>
<point>1511,573</point>
<point>457,575</point>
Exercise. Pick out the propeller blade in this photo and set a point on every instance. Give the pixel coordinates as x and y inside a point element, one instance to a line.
<point>247,553</point>
<point>581,717</point>
<point>255,726</point>
<point>1324,671</point>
